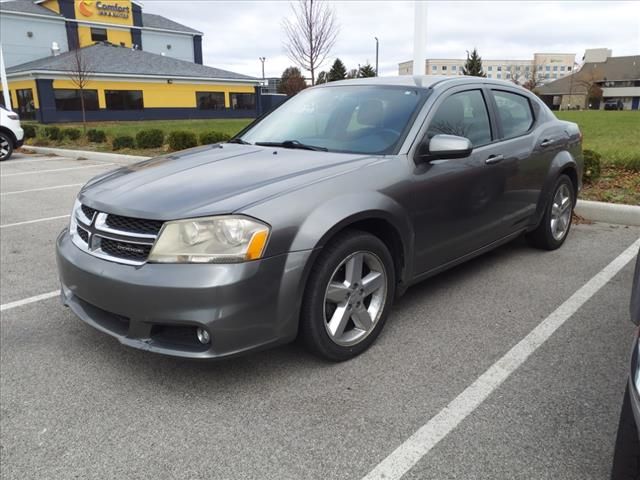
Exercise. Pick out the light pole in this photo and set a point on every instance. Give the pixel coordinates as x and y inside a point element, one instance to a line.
<point>262,59</point>
<point>376,55</point>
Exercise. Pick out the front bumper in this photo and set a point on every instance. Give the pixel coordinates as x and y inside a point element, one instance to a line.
<point>634,383</point>
<point>157,307</point>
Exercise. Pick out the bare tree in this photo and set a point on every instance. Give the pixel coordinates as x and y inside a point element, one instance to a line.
<point>80,75</point>
<point>311,35</point>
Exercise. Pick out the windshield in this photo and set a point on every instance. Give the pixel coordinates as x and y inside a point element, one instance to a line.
<point>351,118</point>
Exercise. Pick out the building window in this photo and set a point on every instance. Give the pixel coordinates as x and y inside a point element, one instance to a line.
<point>210,100</point>
<point>555,68</point>
<point>546,75</point>
<point>26,108</point>
<point>499,68</point>
<point>526,69</point>
<point>499,75</point>
<point>508,75</point>
<point>69,99</point>
<point>547,68</point>
<point>434,68</point>
<point>454,68</point>
<point>539,68</point>
<point>562,68</point>
<point>444,68</point>
<point>242,101</point>
<point>490,75</point>
<point>568,69</point>
<point>490,68</point>
<point>98,34</point>
<point>124,99</point>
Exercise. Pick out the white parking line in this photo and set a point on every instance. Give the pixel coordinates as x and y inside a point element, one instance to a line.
<point>26,301</point>
<point>37,220</point>
<point>31,160</point>
<point>403,458</point>
<point>42,189</point>
<point>37,172</point>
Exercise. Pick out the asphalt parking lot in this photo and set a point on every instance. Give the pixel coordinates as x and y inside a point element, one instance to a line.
<point>76,404</point>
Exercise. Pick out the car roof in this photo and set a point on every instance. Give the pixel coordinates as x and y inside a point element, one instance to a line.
<point>420,81</point>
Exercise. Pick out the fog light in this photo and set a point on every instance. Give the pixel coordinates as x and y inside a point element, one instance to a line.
<point>203,336</point>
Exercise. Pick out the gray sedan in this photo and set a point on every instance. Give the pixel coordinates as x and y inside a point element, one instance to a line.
<point>311,221</point>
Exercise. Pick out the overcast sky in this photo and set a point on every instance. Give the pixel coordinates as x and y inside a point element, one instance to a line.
<point>236,33</point>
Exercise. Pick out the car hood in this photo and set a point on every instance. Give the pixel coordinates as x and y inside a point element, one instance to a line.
<point>211,180</point>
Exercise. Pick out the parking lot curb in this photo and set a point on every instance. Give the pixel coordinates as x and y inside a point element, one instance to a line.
<point>88,155</point>
<point>609,212</point>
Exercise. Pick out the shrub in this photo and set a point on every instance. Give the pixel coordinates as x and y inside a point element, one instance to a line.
<point>592,166</point>
<point>96,136</point>
<point>213,137</point>
<point>152,138</point>
<point>30,131</point>
<point>181,139</point>
<point>52,133</point>
<point>71,133</point>
<point>123,141</point>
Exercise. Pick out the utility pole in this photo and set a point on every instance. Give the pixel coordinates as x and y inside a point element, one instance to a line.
<point>262,59</point>
<point>376,55</point>
<point>4,83</point>
<point>419,37</point>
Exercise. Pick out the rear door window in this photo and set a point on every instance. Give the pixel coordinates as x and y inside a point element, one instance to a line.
<point>514,112</point>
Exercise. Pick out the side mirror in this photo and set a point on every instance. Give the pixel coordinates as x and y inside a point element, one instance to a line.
<point>444,147</point>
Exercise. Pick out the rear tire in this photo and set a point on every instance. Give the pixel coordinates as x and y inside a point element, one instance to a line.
<point>348,296</point>
<point>626,457</point>
<point>556,221</point>
<point>6,147</point>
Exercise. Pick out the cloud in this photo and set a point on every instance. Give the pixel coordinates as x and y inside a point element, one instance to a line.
<point>236,33</point>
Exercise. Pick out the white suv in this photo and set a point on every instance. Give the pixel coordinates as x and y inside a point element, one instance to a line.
<point>11,133</point>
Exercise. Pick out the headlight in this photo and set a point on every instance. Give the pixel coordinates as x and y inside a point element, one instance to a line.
<point>228,239</point>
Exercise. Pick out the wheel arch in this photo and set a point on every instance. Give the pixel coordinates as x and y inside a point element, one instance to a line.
<point>562,164</point>
<point>10,134</point>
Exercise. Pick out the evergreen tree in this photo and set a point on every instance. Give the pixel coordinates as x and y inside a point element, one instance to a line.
<point>366,71</point>
<point>473,65</point>
<point>322,77</point>
<point>291,81</point>
<point>338,71</point>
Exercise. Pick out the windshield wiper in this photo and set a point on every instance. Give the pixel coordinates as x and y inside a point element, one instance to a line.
<point>292,144</point>
<point>238,140</point>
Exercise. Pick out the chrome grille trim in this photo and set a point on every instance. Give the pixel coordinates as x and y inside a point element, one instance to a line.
<point>101,224</point>
<point>97,229</point>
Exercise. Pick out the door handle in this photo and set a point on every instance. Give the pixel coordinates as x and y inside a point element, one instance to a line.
<point>493,159</point>
<point>546,143</point>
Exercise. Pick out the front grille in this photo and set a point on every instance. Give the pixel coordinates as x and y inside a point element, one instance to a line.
<point>134,225</point>
<point>125,250</point>
<point>84,235</point>
<point>88,212</point>
<point>114,237</point>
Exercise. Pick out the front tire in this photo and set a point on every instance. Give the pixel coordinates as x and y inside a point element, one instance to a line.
<point>348,296</point>
<point>6,147</point>
<point>556,221</point>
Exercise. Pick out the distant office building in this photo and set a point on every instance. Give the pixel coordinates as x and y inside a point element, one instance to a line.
<point>544,67</point>
<point>616,78</point>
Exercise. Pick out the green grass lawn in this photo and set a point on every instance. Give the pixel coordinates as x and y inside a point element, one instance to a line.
<point>615,135</point>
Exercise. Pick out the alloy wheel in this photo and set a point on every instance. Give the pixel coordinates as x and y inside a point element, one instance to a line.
<point>355,297</point>
<point>4,148</point>
<point>561,212</point>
